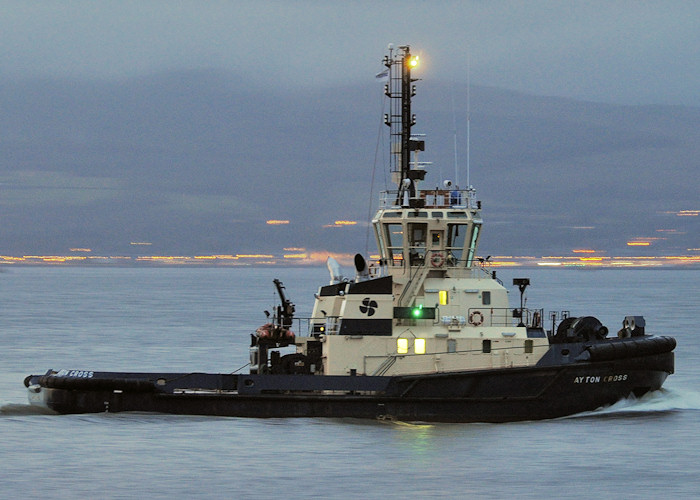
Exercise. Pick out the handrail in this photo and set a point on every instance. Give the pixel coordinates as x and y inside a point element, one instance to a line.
<point>419,269</point>
<point>490,316</point>
<point>384,367</point>
<point>503,316</point>
<point>391,359</point>
<point>434,198</point>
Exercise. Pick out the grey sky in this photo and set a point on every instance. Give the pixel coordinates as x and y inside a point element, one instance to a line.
<point>615,51</point>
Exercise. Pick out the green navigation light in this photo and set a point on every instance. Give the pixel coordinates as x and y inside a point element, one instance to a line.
<point>415,312</point>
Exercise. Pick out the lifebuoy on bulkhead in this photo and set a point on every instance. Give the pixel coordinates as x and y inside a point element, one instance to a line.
<point>437,260</point>
<point>476,318</point>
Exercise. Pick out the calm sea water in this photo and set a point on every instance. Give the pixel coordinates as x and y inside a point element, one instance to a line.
<point>194,319</point>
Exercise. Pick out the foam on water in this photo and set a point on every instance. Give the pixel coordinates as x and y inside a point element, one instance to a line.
<point>663,400</point>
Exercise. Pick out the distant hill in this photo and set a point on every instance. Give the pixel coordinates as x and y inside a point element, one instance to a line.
<point>196,162</point>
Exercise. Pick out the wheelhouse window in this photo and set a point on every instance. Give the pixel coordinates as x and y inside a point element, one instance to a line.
<point>380,240</point>
<point>472,244</point>
<point>486,298</point>
<point>417,239</point>
<point>456,234</point>
<point>394,239</point>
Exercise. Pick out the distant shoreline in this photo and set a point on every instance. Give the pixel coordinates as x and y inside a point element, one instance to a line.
<point>248,260</point>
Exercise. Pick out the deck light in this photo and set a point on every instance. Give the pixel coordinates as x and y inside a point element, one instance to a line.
<point>402,346</point>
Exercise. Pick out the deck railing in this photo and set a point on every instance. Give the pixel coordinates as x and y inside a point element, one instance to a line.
<point>475,316</point>
<point>431,198</point>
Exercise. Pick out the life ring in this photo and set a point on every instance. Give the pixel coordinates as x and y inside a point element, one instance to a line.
<point>437,260</point>
<point>476,318</point>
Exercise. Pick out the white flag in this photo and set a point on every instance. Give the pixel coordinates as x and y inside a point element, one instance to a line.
<point>383,76</point>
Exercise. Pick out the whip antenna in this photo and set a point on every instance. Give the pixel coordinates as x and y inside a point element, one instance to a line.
<point>454,136</point>
<point>469,113</point>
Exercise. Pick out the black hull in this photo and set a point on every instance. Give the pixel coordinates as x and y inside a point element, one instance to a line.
<point>500,395</point>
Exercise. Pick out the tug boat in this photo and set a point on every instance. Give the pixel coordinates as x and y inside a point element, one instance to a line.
<point>424,333</point>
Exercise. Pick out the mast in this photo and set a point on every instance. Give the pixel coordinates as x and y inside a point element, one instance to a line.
<point>419,232</point>
<point>400,90</point>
